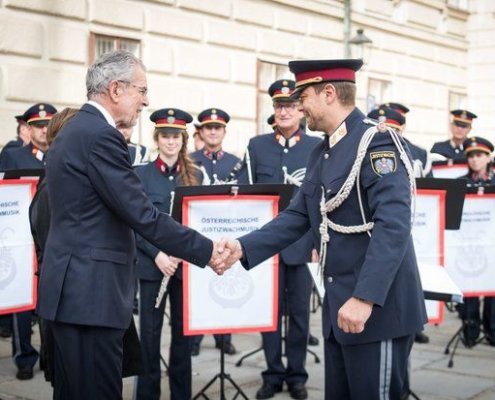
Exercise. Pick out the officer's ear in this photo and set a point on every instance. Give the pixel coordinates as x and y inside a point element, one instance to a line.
<point>115,89</point>
<point>330,93</point>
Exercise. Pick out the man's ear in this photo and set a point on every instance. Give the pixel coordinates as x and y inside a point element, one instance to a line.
<point>330,93</point>
<point>114,90</point>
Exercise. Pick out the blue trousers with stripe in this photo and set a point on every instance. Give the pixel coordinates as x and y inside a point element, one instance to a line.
<point>370,371</point>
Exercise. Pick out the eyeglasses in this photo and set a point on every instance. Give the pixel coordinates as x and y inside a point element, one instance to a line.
<point>289,107</point>
<point>143,90</point>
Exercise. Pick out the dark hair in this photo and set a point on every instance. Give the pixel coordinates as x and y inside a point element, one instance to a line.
<point>58,121</point>
<point>346,91</point>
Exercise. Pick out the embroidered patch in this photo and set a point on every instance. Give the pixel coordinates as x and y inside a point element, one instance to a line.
<point>383,162</point>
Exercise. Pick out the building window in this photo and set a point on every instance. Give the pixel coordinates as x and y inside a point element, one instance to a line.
<point>457,101</point>
<point>379,91</point>
<point>461,4</point>
<point>100,44</point>
<point>268,72</point>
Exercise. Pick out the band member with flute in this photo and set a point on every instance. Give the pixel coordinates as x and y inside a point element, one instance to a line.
<point>172,168</point>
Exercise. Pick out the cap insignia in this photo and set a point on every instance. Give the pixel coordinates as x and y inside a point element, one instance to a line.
<point>170,112</point>
<point>171,120</point>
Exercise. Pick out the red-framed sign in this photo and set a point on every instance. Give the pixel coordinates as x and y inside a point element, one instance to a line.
<point>239,300</point>
<point>470,251</point>
<point>429,240</point>
<point>18,282</point>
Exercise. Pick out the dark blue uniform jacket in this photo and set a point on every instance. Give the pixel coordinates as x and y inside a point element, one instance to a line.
<point>381,268</point>
<point>267,159</point>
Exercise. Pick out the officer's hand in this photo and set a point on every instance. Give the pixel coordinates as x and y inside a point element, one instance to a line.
<point>353,315</point>
<point>167,265</point>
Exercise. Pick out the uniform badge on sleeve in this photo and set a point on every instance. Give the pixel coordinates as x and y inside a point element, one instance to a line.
<point>383,162</point>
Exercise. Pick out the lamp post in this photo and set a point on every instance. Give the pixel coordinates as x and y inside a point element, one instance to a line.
<point>361,45</point>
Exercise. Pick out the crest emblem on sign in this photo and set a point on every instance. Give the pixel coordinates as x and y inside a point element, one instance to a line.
<point>383,162</point>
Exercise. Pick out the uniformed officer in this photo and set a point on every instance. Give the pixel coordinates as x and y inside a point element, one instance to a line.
<point>460,126</point>
<point>31,156</point>
<point>479,158</point>
<point>172,168</point>
<point>22,137</point>
<point>217,163</point>
<point>28,157</point>
<point>421,158</point>
<point>198,141</point>
<point>281,157</point>
<point>356,200</point>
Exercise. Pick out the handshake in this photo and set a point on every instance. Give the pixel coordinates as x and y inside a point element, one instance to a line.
<point>226,252</point>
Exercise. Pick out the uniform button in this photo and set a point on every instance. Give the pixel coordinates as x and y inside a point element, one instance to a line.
<point>329,279</point>
<point>286,151</point>
<point>214,162</point>
<point>170,178</point>
<point>329,191</point>
<point>326,156</point>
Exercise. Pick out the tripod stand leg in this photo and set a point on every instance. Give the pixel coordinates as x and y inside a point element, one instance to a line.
<point>317,359</point>
<point>451,359</point>
<point>239,363</point>
<point>164,363</point>
<point>456,335</point>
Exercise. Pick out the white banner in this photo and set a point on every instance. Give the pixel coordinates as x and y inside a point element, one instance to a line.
<point>240,300</point>
<point>449,171</point>
<point>17,256</point>
<point>470,251</point>
<point>428,235</point>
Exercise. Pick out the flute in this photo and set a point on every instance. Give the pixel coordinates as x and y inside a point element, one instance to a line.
<point>163,285</point>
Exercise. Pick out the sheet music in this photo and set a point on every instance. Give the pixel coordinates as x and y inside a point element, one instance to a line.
<point>317,279</point>
<point>435,279</point>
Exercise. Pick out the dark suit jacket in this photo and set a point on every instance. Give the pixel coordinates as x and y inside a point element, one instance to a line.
<point>97,202</point>
<point>381,268</point>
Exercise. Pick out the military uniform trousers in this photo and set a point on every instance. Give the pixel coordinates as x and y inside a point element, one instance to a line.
<point>469,312</point>
<point>150,330</point>
<point>378,370</point>
<point>294,297</point>
<point>24,354</point>
<point>88,362</point>
<point>180,367</point>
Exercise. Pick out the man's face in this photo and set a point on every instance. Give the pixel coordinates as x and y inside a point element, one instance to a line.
<point>133,99</point>
<point>459,133</point>
<point>212,134</point>
<point>38,136</point>
<point>312,105</point>
<point>287,115</point>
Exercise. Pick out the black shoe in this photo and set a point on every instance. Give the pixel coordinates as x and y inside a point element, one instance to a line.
<point>268,390</point>
<point>420,337</point>
<point>228,348</point>
<point>313,340</point>
<point>5,331</point>
<point>24,373</point>
<point>298,391</point>
<point>195,350</point>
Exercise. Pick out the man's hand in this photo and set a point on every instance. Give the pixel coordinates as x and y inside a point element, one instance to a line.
<point>353,315</point>
<point>226,252</point>
<point>166,264</point>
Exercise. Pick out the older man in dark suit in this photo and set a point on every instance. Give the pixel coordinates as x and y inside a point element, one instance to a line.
<point>87,282</point>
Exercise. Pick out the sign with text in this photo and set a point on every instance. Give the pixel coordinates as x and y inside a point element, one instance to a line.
<point>18,283</point>
<point>451,171</point>
<point>470,255</point>
<point>428,235</point>
<point>239,300</point>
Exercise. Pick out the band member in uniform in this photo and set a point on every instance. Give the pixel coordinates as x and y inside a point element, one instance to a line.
<point>281,157</point>
<point>219,166</point>
<point>172,168</point>
<point>197,140</point>
<point>360,212</point>
<point>139,154</point>
<point>217,163</point>
<point>460,126</point>
<point>30,156</point>
<point>479,158</point>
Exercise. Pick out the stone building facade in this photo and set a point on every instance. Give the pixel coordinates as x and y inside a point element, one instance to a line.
<point>431,55</point>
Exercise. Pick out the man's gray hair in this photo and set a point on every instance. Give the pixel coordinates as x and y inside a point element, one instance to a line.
<point>117,65</point>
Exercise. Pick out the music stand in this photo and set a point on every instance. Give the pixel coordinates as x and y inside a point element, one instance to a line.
<point>284,193</point>
<point>459,335</point>
<point>22,173</point>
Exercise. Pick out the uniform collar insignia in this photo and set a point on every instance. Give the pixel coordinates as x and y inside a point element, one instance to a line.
<point>292,141</point>
<point>213,155</point>
<point>337,135</point>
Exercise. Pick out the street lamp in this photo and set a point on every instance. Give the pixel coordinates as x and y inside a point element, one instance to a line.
<point>361,45</point>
